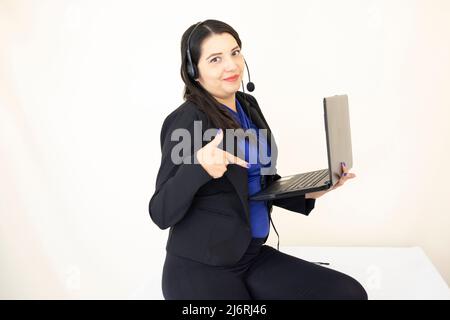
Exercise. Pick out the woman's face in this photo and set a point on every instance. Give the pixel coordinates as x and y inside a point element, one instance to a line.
<point>220,58</point>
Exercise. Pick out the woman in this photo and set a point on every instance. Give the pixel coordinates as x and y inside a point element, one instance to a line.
<point>215,248</point>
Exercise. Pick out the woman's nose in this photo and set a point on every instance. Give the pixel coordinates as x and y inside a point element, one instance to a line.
<point>230,65</point>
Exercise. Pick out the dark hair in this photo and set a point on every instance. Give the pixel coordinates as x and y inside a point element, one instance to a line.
<point>193,91</point>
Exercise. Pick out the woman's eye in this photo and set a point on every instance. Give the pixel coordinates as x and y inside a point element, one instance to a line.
<point>214,59</point>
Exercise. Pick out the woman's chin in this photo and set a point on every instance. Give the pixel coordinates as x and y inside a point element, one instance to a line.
<point>232,88</point>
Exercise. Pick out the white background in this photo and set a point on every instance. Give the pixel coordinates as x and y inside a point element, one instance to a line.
<point>86,85</point>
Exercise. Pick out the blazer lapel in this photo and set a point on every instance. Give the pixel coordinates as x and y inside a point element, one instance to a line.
<point>239,179</point>
<point>258,119</point>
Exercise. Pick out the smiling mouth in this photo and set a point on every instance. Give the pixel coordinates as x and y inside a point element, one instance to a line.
<point>232,79</point>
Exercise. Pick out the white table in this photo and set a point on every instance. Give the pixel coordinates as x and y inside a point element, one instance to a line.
<point>385,272</point>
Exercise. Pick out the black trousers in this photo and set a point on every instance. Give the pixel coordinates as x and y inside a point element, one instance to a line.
<point>263,273</point>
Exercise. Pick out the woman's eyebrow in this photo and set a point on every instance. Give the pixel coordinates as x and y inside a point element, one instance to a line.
<point>220,53</point>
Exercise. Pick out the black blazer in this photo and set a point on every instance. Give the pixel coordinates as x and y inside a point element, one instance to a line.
<point>208,218</point>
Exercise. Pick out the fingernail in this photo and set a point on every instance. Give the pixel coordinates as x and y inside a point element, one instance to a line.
<point>248,165</point>
<point>345,174</point>
<point>219,131</point>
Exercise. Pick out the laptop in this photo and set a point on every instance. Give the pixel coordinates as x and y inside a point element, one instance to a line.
<point>339,149</point>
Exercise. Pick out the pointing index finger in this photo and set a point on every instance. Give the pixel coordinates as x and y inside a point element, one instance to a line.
<point>236,160</point>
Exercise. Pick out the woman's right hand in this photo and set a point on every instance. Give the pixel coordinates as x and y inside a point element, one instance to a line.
<point>215,160</point>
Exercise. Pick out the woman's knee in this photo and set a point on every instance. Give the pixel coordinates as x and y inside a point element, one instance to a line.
<point>348,288</point>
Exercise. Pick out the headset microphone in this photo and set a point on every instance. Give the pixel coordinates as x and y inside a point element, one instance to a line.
<point>250,84</point>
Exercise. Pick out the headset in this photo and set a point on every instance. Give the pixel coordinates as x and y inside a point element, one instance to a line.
<point>193,72</point>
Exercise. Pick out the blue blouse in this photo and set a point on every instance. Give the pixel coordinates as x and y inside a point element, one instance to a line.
<point>259,213</point>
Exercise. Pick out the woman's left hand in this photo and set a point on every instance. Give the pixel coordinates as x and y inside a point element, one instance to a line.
<point>346,175</point>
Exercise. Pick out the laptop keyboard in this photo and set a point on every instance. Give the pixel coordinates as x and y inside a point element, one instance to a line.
<point>309,179</point>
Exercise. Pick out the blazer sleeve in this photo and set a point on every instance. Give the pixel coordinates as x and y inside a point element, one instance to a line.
<point>176,184</point>
<point>297,204</point>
